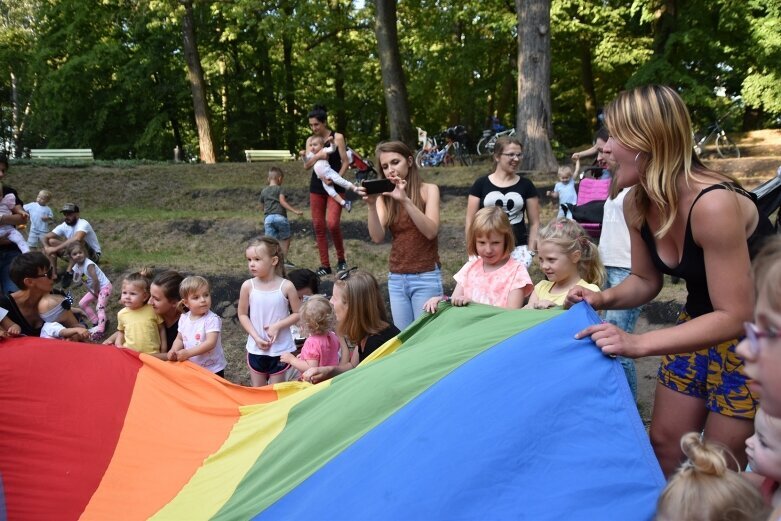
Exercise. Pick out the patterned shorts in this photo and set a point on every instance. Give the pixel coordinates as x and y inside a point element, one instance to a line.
<point>714,374</point>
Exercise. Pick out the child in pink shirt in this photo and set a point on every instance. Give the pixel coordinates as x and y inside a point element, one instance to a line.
<point>493,277</point>
<point>321,347</point>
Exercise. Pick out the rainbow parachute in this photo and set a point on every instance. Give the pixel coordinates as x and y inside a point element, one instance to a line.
<point>473,413</point>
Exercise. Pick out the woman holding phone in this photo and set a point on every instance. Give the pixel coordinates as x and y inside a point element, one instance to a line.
<point>411,213</point>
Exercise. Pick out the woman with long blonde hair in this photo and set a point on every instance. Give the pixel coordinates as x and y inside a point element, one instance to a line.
<point>691,222</point>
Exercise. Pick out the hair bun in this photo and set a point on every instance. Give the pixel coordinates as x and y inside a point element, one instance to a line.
<point>705,457</point>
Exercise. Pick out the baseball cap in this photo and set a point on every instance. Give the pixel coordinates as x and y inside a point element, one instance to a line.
<point>69,208</point>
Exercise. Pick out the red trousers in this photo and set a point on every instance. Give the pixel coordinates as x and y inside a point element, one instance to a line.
<point>326,215</point>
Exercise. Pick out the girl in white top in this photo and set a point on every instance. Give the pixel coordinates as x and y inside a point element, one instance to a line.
<point>98,288</point>
<point>199,337</point>
<point>265,302</point>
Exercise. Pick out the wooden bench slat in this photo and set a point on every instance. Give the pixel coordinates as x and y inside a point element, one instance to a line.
<point>268,155</point>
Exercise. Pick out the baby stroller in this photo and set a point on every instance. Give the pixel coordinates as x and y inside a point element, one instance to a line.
<point>592,194</point>
<point>364,169</point>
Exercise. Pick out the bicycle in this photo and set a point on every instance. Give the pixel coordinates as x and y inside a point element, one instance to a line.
<point>431,155</point>
<point>485,147</point>
<point>725,147</point>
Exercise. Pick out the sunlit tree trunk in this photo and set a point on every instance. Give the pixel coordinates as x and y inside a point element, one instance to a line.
<point>392,74</point>
<point>534,105</point>
<point>197,85</point>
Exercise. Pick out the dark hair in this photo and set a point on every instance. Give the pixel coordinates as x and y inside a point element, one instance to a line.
<point>319,113</point>
<point>27,265</point>
<point>169,282</point>
<point>304,278</point>
<point>4,160</point>
<point>602,134</point>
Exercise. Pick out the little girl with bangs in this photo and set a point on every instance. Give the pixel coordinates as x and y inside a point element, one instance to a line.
<point>493,277</point>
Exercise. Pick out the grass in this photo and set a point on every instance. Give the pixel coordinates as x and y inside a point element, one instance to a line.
<point>198,219</point>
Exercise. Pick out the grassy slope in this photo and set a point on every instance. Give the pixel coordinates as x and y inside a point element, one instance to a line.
<point>197,218</point>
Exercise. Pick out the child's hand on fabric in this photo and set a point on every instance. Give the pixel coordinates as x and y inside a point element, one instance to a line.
<point>317,374</point>
<point>431,304</point>
<point>544,304</point>
<point>459,301</point>
<point>182,355</point>
<point>14,330</point>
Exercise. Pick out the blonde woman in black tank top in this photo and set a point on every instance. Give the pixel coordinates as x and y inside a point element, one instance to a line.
<point>701,385</point>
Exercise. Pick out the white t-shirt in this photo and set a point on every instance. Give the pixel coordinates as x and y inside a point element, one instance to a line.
<point>65,230</point>
<point>37,213</point>
<point>82,270</point>
<point>614,246</point>
<point>193,332</point>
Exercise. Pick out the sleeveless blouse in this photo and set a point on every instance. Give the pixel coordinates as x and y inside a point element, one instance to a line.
<point>411,251</point>
<point>267,308</point>
<point>692,265</point>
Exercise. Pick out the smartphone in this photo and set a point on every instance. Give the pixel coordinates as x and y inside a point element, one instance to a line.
<point>378,186</point>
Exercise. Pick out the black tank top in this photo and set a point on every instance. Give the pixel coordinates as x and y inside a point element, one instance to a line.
<point>335,160</point>
<point>692,266</point>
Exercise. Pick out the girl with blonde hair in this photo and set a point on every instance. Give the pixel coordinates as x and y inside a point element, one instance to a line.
<point>705,489</point>
<point>568,259</point>
<point>492,276</point>
<point>690,222</point>
<point>321,347</point>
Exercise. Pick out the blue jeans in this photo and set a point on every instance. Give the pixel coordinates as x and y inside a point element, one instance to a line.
<point>409,291</point>
<point>7,255</point>
<point>625,319</point>
<point>277,226</point>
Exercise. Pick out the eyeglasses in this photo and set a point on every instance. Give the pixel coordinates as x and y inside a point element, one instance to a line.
<point>754,334</point>
<point>516,155</point>
<point>344,275</point>
<point>48,274</point>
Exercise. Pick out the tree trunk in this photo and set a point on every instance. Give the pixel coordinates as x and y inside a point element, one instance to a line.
<point>393,81</point>
<point>664,25</point>
<point>339,90</point>
<point>16,135</point>
<point>534,106</point>
<point>197,84</point>
<point>587,78</point>
<point>290,106</point>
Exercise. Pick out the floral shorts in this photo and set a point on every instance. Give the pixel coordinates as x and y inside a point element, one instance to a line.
<point>714,374</point>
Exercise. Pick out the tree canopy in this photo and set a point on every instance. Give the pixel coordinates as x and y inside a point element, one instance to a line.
<point>112,75</point>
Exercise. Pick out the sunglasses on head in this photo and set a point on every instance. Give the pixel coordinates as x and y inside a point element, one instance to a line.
<point>48,274</point>
<point>344,275</point>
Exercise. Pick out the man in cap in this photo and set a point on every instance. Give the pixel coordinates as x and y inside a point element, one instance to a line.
<point>73,229</point>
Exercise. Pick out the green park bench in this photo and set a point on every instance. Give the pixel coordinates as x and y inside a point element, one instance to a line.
<point>62,153</point>
<point>268,155</point>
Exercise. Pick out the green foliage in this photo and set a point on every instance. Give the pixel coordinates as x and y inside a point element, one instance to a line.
<point>110,74</point>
